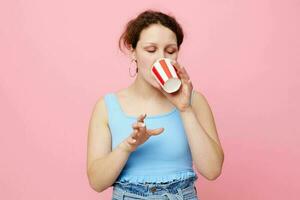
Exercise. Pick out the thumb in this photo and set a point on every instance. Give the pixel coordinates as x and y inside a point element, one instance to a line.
<point>156,131</point>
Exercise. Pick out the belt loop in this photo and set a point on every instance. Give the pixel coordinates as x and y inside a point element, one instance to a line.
<point>178,196</point>
<point>123,195</point>
<point>180,193</point>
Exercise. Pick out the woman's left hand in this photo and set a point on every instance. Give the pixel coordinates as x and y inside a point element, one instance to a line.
<point>181,98</point>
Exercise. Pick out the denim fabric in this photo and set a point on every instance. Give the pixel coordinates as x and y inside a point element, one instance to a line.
<point>173,190</point>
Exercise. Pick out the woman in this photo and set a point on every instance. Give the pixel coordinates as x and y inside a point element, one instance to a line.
<point>121,150</point>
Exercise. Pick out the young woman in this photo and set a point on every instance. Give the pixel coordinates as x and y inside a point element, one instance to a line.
<point>144,141</point>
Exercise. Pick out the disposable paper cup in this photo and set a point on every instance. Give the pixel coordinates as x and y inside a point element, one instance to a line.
<point>166,75</point>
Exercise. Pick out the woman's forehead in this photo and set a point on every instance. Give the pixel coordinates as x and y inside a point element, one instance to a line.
<point>157,34</point>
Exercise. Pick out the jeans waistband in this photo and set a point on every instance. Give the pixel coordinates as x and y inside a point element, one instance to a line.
<point>171,186</point>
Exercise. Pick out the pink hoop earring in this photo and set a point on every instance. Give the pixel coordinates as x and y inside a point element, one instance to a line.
<point>136,70</point>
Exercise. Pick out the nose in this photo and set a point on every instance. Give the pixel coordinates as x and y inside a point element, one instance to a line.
<point>163,54</point>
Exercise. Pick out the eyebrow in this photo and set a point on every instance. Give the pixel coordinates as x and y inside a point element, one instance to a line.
<point>156,44</point>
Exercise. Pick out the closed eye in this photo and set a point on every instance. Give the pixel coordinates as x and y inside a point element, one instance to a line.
<point>168,52</point>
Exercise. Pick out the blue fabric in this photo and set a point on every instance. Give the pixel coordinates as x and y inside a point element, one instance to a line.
<point>161,158</point>
<point>174,190</point>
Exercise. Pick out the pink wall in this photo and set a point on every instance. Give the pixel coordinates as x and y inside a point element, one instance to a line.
<point>58,57</point>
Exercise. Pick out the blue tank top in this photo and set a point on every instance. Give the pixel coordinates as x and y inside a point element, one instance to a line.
<point>162,158</point>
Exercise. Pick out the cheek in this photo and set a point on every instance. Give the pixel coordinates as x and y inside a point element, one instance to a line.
<point>146,67</point>
<point>148,76</point>
<point>154,83</point>
<point>152,80</point>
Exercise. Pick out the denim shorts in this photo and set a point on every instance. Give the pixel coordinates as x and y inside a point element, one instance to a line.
<point>172,190</point>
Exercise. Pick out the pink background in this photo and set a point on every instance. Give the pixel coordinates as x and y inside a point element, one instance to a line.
<point>58,57</point>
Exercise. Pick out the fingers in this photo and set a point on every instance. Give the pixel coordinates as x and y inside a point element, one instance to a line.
<point>131,140</point>
<point>184,73</point>
<point>140,129</point>
<point>156,131</point>
<point>134,134</point>
<point>140,125</point>
<point>141,117</point>
<point>176,65</point>
<point>177,69</point>
<point>180,71</point>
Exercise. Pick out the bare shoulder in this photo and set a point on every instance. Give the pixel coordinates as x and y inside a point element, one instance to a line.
<point>198,100</point>
<point>100,110</point>
<point>205,115</point>
<point>99,136</point>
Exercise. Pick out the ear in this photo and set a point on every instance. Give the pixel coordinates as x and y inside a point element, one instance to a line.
<point>132,53</point>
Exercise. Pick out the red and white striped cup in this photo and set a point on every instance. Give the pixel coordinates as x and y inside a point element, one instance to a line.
<point>166,75</point>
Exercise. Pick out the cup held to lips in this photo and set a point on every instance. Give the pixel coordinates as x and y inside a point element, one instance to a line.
<point>165,74</point>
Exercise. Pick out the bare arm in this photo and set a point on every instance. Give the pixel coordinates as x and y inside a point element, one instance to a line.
<point>103,164</point>
<point>203,138</point>
<point>104,171</point>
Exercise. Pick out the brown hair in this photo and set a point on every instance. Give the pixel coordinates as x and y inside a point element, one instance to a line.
<point>132,31</point>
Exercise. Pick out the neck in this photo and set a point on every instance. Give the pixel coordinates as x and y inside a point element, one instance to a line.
<point>145,91</point>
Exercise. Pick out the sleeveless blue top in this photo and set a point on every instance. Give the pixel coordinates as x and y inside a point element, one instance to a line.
<point>162,158</point>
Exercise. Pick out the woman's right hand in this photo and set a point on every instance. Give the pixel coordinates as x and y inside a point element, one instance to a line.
<point>139,135</point>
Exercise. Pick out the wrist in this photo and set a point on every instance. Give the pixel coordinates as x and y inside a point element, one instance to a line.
<point>124,148</point>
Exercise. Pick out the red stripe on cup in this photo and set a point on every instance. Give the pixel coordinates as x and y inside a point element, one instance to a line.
<point>165,68</point>
<point>158,76</point>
